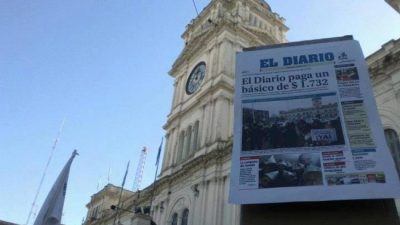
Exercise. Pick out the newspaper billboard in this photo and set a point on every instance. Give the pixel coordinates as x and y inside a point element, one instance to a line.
<point>307,127</point>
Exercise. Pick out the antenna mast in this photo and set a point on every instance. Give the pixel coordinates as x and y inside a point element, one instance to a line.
<point>45,172</point>
<point>139,170</point>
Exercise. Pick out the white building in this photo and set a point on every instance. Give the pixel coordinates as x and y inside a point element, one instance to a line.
<point>194,179</point>
<point>384,68</point>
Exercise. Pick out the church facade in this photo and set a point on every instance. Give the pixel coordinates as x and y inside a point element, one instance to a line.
<point>194,180</point>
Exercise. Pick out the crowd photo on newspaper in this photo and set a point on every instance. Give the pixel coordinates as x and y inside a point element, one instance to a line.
<point>300,122</point>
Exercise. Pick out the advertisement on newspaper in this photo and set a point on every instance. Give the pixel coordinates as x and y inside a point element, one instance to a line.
<point>307,127</point>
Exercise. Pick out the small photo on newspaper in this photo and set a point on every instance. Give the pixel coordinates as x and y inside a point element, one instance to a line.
<point>347,74</point>
<point>292,122</point>
<point>290,170</point>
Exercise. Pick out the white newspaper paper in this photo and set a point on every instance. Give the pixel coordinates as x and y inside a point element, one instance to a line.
<point>307,127</point>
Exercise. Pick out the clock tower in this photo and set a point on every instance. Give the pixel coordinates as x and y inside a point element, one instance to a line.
<point>201,112</point>
<point>194,180</point>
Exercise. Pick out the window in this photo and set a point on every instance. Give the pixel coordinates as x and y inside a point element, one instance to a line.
<point>392,140</point>
<point>195,137</point>
<point>188,142</point>
<point>174,219</point>
<point>188,139</point>
<point>185,217</point>
<point>180,146</point>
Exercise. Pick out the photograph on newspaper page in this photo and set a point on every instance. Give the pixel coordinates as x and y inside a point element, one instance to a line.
<point>306,126</point>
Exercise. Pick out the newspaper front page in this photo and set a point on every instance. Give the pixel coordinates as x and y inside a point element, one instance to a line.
<point>307,127</point>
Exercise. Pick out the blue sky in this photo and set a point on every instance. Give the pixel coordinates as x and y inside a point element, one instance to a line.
<point>102,65</point>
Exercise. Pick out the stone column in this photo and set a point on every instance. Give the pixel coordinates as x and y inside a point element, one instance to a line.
<point>166,152</point>
<point>175,96</point>
<point>221,119</point>
<point>172,148</point>
<point>204,199</point>
<point>212,202</point>
<point>225,57</point>
<point>207,127</point>
<point>219,201</point>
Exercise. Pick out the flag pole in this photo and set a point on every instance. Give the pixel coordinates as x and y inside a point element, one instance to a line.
<point>120,193</point>
<point>155,175</point>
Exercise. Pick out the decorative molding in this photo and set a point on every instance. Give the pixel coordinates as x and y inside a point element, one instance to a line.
<point>385,65</point>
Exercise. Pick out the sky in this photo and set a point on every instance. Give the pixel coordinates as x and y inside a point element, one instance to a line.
<point>102,66</point>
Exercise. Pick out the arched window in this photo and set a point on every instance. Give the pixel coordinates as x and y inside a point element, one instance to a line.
<point>174,219</point>
<point>392,140</point>
<point>185,216</point>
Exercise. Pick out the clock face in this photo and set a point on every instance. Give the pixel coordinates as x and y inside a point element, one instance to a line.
<point>195,78</point>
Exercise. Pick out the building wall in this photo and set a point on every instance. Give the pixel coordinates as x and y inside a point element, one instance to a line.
<point>100,203</point>
<point>384,68</point>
